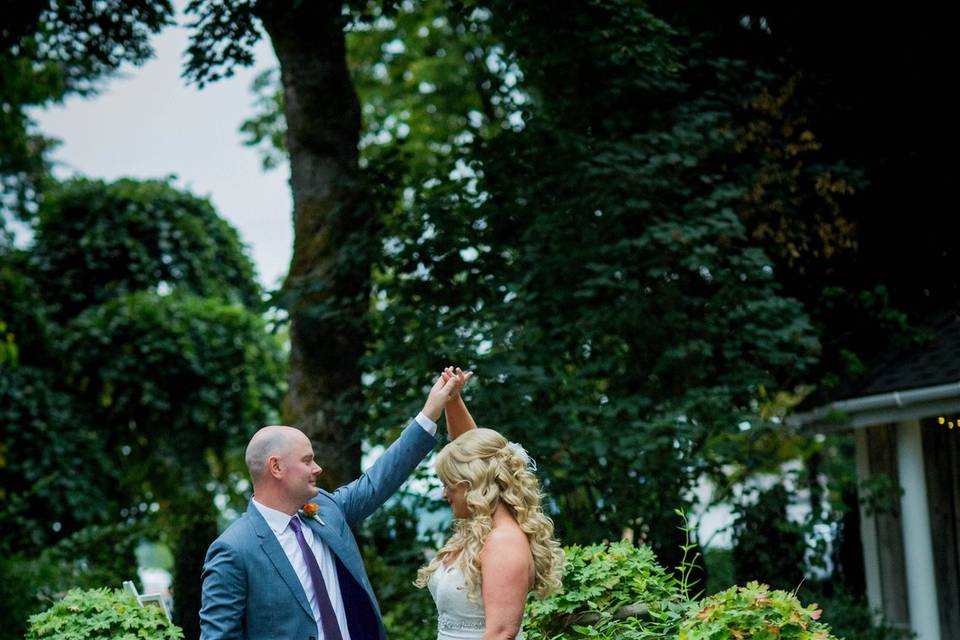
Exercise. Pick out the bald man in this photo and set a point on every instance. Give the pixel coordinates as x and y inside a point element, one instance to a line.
<point>293,571</point>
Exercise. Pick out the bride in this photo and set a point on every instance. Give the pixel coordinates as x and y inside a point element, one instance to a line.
<point>502,545</point>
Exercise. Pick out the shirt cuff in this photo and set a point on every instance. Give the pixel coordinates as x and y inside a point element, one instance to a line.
<point>428,425</point>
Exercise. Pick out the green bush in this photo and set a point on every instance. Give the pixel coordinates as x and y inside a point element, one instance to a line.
<point>101,613</point>
<point>598,583</point>
<point>91,557</point>
<point>619,591</point>
<point>754,612</point>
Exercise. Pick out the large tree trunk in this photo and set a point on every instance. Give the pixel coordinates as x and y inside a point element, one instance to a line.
<point>327,288</point>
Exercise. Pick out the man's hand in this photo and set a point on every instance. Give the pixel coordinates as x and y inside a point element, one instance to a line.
<point>447,386</point>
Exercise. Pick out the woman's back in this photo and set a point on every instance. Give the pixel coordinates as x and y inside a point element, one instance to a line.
<point>458,617</point>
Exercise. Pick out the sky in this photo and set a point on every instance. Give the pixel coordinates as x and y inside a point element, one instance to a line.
<point>146,123</point>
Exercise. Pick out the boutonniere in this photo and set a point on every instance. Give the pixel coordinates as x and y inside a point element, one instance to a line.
<point>311,511</point>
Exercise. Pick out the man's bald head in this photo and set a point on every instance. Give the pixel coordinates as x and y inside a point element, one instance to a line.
<point>274,440</point>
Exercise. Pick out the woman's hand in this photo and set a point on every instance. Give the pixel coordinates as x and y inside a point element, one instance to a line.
<point>459,420</point>
<point>461,377</point>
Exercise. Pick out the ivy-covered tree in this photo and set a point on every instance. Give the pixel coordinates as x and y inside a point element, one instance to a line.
<point>170,239</point>
<point>441,85</point>
<point>179,383</point>
<point>137,365</point>
<point>327,288</point>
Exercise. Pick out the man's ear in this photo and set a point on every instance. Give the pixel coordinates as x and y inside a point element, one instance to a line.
<point>274,468</point>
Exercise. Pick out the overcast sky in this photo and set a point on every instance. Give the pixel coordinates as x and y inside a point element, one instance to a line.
<point>148,124</point>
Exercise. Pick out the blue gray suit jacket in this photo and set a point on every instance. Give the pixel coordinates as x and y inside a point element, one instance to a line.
<point>250,590</point>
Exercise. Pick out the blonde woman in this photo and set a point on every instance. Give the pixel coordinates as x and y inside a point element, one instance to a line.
<point>502,545</point>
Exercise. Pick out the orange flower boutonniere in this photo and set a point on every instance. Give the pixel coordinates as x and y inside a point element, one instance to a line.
<point>310,511</point>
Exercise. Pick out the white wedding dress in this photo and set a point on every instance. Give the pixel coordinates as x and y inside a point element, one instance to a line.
<point>458,618</point>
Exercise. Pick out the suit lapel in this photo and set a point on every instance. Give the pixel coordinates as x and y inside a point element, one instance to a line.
<point>270,546</point>
<point>324,531</point>
<point>333,539</point>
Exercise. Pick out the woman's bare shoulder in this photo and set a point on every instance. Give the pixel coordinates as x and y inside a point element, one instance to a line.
<point>506,539</point>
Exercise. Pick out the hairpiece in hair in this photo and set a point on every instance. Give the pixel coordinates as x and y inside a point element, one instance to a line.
<point>522,453</point>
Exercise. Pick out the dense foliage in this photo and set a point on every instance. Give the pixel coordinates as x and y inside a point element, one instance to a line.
<point>650,227</point>
<point>102,613</point>
<point>136,365</point>
<point>620,591</point>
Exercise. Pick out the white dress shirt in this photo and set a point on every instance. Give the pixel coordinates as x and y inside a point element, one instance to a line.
<point>279,523</point>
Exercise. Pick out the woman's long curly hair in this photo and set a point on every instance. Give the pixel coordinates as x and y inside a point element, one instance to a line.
<point>494,473</point>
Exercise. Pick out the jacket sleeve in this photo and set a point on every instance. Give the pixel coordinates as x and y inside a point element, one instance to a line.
<point>367,493</point>
<point>224,594</point>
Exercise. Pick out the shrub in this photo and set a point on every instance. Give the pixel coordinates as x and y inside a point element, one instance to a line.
<point>619,591</point>
<point>91,557</point>
<point>101,613</point>
<point>754,612</point>
<point>600,586</point>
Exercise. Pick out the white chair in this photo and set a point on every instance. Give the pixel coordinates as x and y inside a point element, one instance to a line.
<point>153,599</point>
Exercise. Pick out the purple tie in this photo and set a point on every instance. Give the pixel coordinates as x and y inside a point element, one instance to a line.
<point>328,619</point>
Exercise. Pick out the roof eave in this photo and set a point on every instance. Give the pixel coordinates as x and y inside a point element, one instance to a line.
<point>884,408</point>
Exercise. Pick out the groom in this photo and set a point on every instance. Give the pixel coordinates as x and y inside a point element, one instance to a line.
<point>275,573</point>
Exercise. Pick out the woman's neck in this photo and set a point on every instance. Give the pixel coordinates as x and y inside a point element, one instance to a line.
<point>503,516</point>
